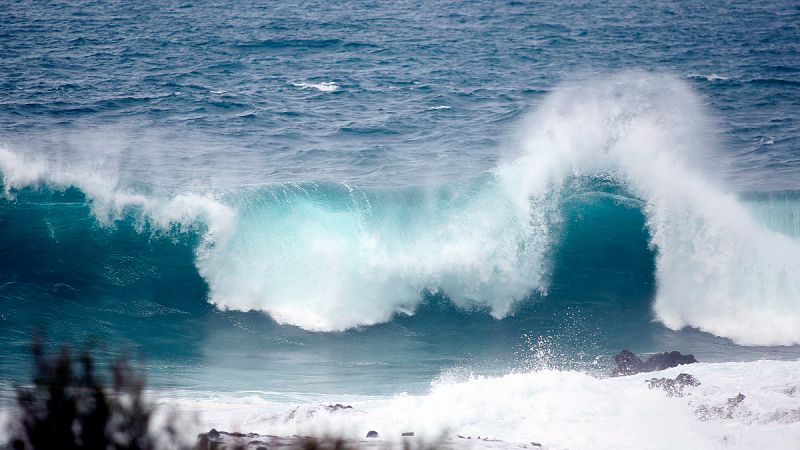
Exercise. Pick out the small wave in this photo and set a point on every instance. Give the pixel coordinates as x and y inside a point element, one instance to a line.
<point>437,108</point>
<point>766,140</point>
<point>326,86</point>
<point>278,44</point>
<point>711,77</point>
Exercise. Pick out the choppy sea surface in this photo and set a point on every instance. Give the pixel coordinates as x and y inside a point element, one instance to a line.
<point>449,214</point>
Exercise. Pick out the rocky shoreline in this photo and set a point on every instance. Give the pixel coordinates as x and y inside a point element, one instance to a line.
<point>627,364</point>
<point>222,440</point>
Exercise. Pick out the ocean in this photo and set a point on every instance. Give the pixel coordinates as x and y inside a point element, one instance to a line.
<point>447,214</point>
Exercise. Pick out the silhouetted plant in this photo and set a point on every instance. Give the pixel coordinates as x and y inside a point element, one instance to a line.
<point>66,410</point>
<point>69,409</point>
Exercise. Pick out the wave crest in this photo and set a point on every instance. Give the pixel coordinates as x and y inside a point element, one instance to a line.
<point>717,267</point>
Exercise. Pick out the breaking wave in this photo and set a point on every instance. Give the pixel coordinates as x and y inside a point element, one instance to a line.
<point>332,256</point>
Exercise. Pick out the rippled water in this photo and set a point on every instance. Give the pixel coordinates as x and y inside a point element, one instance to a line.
<point>196,93</point>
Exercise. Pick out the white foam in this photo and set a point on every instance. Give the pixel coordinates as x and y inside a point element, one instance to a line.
<point>18,171</point>
<point>559,409</point>
<point>325,86</point>
<point>109,202</point>
<point>718,268</point>
<point>325,267</point>
<point>711,77</point>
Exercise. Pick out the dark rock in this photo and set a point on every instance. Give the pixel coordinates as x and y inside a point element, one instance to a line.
<point>337,407</point>
<point>261,447</point>
<point>213,433</point>
<point>203,442</point>
<point>629,364</point>
<point>661,361</point>
<point>704,412</point>
<point>536,444</point>
<point>734,401</point>
<point>408,434</point>
<point>673,388</point>
<point>372,434</point>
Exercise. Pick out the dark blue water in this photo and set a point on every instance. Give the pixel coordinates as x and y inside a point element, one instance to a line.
<point>203,92</point>
<point>327,192</point>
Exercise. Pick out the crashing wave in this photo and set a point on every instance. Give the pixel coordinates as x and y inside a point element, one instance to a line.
<point>332,257</point>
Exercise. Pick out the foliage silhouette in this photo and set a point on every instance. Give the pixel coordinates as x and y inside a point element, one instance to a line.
<point>72,409</point>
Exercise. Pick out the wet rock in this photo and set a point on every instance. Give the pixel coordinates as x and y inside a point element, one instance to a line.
<point>673,388</point>
<point>629,364</point>
<point>734,401</point>
<point>203,442</point>
<point>372,434</point>
<point>661,361</point>
<point>221,440</point>
<point>705,412</point>
<point>337,407</point>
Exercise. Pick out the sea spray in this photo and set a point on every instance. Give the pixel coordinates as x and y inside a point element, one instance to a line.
<point>717,267</point>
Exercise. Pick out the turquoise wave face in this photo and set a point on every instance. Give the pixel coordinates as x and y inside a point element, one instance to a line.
<point>129,283</point>
<point>137,285</point>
